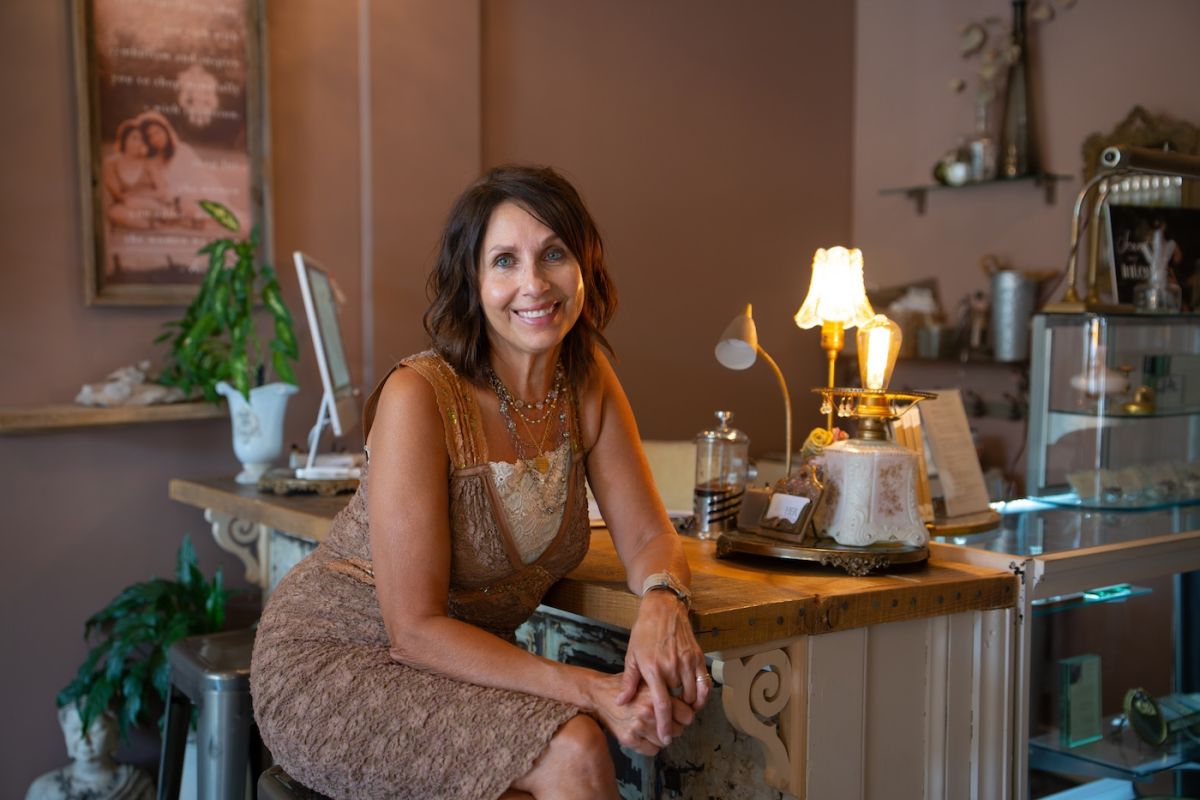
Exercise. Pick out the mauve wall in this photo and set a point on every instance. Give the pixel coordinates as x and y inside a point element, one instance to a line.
<point>1091,65</point>
<point>712,143</point>
<point>85,513</point>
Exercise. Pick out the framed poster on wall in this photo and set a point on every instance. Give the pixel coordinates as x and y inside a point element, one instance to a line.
<point>170,112</point>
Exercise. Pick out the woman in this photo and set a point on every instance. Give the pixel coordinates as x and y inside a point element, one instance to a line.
<point>136,198</point>
<point>385,664</point>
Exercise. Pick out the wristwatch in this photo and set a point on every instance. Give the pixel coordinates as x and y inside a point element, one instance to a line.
<point>665,580</point>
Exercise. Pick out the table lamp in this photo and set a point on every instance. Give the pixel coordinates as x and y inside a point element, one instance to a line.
<point>836,300</point>
<point>1115,162</point>
<point>870,480</point>
<point>738,348</point>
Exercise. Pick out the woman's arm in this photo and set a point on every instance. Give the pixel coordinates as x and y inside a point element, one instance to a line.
<point>663,652</point>
<point>409,524</point>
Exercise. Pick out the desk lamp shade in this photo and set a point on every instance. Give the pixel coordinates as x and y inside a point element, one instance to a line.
<point>738,346</point>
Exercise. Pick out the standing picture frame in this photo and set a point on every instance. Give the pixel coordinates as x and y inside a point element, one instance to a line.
<point>1130,230</point>
<point>170,111</point>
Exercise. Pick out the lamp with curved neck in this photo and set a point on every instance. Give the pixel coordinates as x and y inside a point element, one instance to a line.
<point>738,348</point>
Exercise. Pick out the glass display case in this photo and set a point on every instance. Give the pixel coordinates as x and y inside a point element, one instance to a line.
<point>1114,418</point>
<point>1110,583</point>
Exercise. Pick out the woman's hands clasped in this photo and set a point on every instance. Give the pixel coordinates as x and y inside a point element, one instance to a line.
<point>665,663</point>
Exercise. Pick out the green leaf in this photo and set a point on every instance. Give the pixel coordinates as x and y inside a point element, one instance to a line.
<point>221,214</point>
<point>185,562</point>
<point>99,695</point>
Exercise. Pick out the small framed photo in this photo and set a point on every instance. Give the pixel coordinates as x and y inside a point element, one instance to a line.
<point>1131,231</point>
<point>788,513</point>
<point>170,112</point>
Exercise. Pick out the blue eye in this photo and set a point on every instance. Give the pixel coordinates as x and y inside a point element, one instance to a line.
<point>504,261</point>
<point>555,254</point>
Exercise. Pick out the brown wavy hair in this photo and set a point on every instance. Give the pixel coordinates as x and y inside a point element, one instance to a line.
<point>455,320</point>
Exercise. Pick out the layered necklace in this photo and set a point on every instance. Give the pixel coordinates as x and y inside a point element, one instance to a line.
<point>530,415</point>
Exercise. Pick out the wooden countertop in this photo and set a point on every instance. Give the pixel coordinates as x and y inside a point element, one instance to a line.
<point>736,602</point>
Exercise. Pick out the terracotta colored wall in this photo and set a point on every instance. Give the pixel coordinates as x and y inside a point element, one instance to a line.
<point>700,149</point>
<point>712,143</point>
<point>425,134</point>
<point>85,513</point>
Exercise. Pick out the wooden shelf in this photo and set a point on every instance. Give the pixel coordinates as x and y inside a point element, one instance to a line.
<point>63,417</point>
<point>1046,181</point>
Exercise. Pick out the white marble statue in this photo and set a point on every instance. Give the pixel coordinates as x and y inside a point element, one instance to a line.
<point>92,774</point>
<point>127,386</point>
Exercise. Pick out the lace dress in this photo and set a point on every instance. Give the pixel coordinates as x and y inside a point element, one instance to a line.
<point>344,718</point>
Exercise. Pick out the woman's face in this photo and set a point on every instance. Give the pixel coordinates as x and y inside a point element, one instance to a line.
<point>530,285</point>
<point>133,144</point>
<point>159,138</point>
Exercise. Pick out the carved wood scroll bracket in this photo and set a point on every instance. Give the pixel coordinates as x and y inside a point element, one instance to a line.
<point>756,690</point>
<point>246,540</point>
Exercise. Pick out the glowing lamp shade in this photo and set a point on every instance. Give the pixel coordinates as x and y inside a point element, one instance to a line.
<point>878,345</point>
<point>836,293</point>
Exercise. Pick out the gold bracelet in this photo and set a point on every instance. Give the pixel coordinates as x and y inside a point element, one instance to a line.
<point>665,580</point>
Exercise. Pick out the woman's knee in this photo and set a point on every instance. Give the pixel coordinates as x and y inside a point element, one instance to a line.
<point>576,763</point>
<point>582,742</point>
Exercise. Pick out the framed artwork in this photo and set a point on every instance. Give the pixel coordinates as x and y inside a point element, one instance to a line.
<point>170,112</point>
<point>1131,231</point>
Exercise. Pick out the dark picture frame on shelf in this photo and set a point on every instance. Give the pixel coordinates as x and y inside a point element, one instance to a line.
<point>170,104</point>
<point>1130,232</point>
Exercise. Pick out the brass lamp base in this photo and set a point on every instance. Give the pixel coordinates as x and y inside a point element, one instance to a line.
<point>857,561</point>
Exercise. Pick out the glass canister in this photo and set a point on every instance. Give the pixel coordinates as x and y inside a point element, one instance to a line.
<point>722,462</point>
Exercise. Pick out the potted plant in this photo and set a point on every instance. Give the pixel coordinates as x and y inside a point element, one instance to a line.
<point>127,668</point>
<point>216,348</point>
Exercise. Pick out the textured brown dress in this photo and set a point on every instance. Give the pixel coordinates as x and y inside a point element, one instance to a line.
<point>343,717</point>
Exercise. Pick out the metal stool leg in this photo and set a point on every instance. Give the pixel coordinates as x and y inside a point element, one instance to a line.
<point>174,743</point>
<point>223,744</point>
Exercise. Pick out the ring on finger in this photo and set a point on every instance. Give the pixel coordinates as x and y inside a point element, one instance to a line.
<point>678,690</point>
<point>704,678</point>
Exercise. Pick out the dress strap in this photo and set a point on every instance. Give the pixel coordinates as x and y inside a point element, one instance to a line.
<point>457,406</point>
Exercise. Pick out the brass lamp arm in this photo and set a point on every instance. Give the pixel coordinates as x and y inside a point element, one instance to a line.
<point>787,407</point>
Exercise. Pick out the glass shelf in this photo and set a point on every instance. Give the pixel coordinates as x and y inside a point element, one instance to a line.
<point>1119,755</point>
<point>1072,500</point>
<point>919,194</point>
<point>1105,594</point>
<point>1032,527</point>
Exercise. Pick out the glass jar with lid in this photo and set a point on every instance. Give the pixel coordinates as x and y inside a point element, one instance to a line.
<point>722,464</point>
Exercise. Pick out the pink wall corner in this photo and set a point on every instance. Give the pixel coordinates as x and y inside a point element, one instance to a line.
<point>1092,64</point>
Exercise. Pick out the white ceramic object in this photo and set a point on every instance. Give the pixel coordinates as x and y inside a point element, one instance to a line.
<point>870,494</point>
<point>91,775</point>
<point>257,426</point>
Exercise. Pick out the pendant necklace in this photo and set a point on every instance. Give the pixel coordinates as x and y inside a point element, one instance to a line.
<point>548,404</point>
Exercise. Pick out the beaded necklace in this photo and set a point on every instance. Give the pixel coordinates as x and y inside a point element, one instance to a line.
<point>547,405</point>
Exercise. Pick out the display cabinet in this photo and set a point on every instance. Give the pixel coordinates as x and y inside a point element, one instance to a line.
<point>1074,565</point>
<point>1114,418</point>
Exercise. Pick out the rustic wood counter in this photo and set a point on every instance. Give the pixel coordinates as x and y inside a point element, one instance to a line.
<point>890,685</point>
<point>736,603</point>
